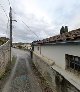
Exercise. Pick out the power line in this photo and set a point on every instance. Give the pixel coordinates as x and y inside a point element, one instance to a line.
<point>6,16</point>
<point>7,23</point>
<point>4,11</point>
<point>9,2</point>
<point>27,26</point>
<point>7,27</point>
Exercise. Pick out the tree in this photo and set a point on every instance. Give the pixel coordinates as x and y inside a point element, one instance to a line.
<point>66,28</point>
<point>62,30</point>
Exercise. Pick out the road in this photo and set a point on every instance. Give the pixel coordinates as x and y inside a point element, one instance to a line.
<point>22,78</point>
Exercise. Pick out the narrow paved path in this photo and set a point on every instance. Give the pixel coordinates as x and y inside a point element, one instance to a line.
<point>22,78</point>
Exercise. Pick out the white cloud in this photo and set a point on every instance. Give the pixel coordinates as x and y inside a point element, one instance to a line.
<point>44,17</point>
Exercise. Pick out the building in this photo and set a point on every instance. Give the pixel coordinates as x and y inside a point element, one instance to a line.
<point>58,60</point>
<point>26,46</point>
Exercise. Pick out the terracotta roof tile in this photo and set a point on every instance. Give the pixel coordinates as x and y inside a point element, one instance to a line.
<point>68,36</point>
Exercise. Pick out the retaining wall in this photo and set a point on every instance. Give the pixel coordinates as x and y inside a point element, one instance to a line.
<point>56,81</point>
<point>4,57</point>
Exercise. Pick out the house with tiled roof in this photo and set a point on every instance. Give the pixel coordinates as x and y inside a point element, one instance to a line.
<point>58,60</point>
<point>71,36</point>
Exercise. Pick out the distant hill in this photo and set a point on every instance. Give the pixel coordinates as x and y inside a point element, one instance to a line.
<point>3,40</point>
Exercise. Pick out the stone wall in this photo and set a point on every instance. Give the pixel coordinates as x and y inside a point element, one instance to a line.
<point>56,81</point>
<point>4,57</point>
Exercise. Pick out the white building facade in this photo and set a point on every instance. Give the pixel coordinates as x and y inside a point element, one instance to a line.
<point>58,52</point>
<point>58,60</point>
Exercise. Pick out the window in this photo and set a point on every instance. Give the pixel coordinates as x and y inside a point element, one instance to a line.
<point>72,62</point>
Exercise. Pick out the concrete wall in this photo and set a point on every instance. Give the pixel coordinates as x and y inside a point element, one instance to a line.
<point>4,57</point>
<point>56,81</point>
<point>57,52</point>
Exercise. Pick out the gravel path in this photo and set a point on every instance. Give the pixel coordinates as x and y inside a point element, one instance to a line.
<point>22,78</point>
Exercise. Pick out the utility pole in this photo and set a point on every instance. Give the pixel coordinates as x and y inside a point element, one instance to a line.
<point>10,15</point>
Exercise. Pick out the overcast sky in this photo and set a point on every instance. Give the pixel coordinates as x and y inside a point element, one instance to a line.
<point>44,17</point>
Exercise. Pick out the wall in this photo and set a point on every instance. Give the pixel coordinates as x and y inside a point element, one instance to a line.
<point>4,57</point>
<point>57,52</point>
<point>56,81</point>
